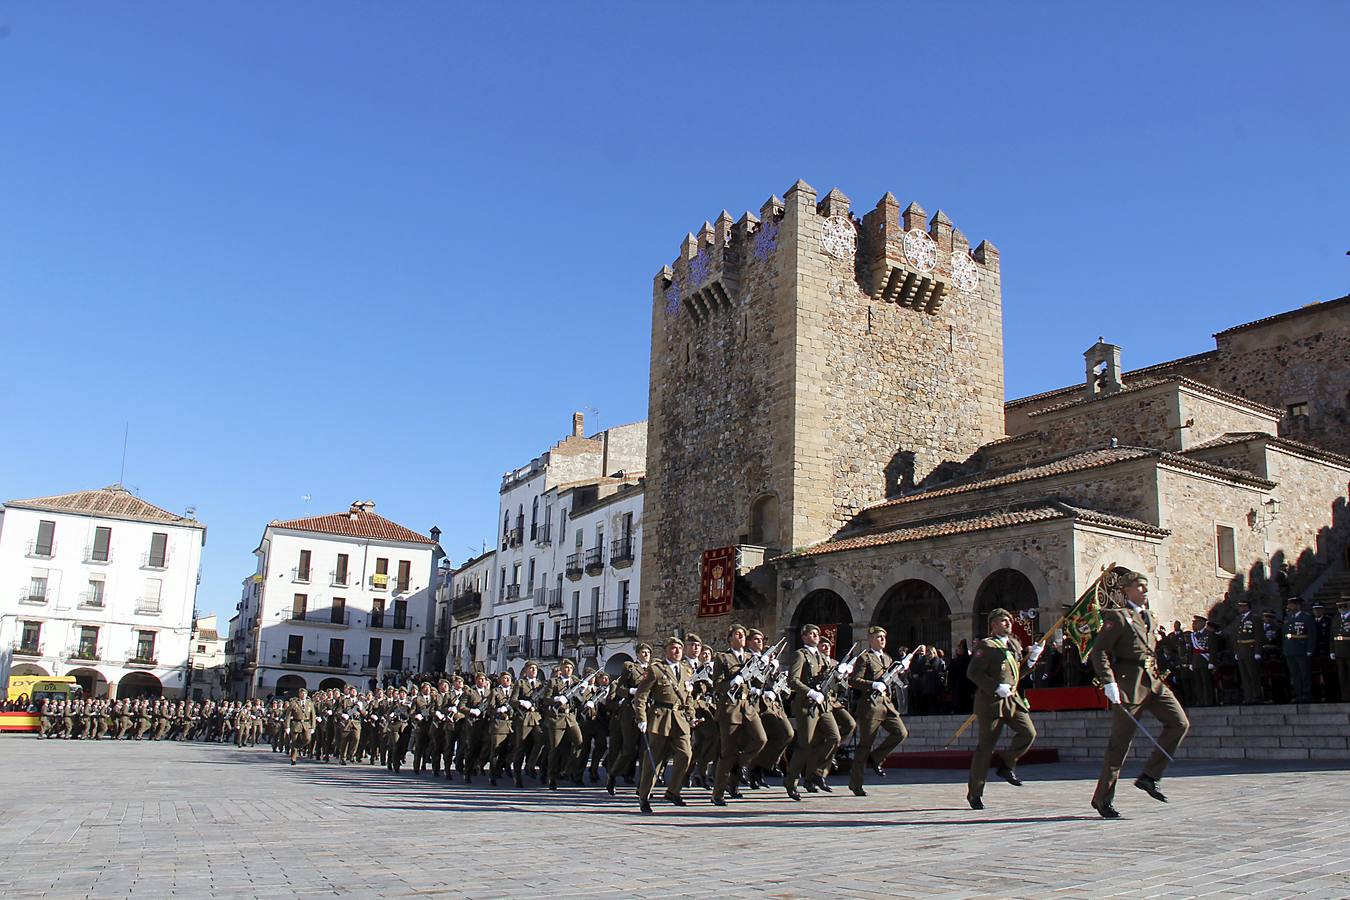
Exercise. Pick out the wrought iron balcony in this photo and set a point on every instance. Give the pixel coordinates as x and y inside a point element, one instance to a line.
<point>97,555</point>
<point>150,560</point>
<point>621,552</point>
<point>38,550</point>
<point>300,576</point>
<point>380,581</point>
<point>32,597</point>
<point>595,560</point>
<point>391,622</point>
<point>540,598</point>
<point>148,606</point>
<point>617,621</point>
<point>339,579</point>
<point>85,652</point>
<point>549,649</point>
<point>573,566</point>
<point>515,537</point>
<point>136,659</point>
<point>89,601</point>
<point>555,601</point>
<point>19,648</point>
<point>513,592</point>
<point>467,605</point>
<point>339,616</point>
<point>543,534</point>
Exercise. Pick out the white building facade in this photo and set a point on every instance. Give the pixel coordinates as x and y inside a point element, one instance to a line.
<point>206,661</point>
<point>534,604</point>
<point>99,585</point>
<point>335,600</point>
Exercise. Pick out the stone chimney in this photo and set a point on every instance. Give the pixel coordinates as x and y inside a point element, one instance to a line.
<point>435,534</point>
<point>578,425</point>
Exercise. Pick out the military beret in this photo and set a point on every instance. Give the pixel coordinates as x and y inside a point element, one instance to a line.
<point>643,645</point>
<point>590,670</point>
<point>692,639</point>
<point>528,663</point>
<point>999,612</point>
<point>809,627</point>
<point>754,631</point>
<point>735,626</point>
<point>876,629</point>
<point>673,641</point>
<point>566,662</point>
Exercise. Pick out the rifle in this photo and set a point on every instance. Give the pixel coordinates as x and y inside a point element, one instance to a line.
<point>831,679</point>
<point>898,668</point>
<point>756,669</point>
<point>575,691</point>
<point>702,674</point>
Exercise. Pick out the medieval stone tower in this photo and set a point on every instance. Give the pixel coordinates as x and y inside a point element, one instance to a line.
<point>804,364</point>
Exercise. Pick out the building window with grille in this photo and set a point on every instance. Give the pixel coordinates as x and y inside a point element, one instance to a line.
<point>158,557</point>
<point>299,606</point>
<point>46,539</point>
<point>145,646</point>
<point>31,642</point>
<point>101,551</point>
<point>88,647</point>
<point>1297,410</point>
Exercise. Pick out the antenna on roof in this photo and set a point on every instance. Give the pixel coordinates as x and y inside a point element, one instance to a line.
<point>126,433</point>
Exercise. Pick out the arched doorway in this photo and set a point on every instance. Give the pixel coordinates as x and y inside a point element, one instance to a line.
<point>331,683</point>
<point>91,681</point>
<point>288,685</point>
<point>137,685</point>
<point>614,665</point>
<point>1013,591</point>
<point>828,610</point>
<point>28,669</point>
<point>914,612</point>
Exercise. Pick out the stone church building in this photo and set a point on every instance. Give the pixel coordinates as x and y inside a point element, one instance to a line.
<point>827,398</point>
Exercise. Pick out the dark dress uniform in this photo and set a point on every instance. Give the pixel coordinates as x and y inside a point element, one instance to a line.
<point>1340,649</point>
<point>1123,654</point>
<point>1247,652</point>
<point>1298,650</point>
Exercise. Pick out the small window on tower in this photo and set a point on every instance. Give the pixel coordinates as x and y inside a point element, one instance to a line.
<point>1298,410</point>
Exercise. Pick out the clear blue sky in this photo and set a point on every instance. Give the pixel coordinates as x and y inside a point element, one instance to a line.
<point>383,250</point>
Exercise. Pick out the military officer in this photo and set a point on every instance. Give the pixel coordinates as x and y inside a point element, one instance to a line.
<point>817,731</point>
<point>1323,669</point>
<point>1122,655</point>
<point>1246,639</point>
<point>664,711</point>
<point>1201,663</point>
<point>741,734</point>
<point>300,723</point>
<point>1340,647</point>
<point>1298,649</point>
<point>996,667</point>
<point>875,710</point>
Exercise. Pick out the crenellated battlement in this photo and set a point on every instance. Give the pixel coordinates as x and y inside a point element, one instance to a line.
<point>902,257</point>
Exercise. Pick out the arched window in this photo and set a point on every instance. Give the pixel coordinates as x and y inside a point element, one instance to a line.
<point>764,521</point>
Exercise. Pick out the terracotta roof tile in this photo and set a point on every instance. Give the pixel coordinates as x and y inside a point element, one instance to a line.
<point>984,520</point>
<point>112,502</point>
<point>1233,438</point>
<point>1197,386</point>
<point>1289,314</point>
<point>358,524</point>
<point>1125,376</point>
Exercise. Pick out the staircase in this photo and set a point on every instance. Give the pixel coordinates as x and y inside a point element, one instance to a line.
<point>1334,589</point>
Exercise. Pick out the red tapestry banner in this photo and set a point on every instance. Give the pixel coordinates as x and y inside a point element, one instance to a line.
<point>717,582</point>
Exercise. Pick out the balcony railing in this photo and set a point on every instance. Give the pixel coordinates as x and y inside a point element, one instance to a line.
<point>150,560</point>
<point>83,652</point>
<point>313,660</point>
<point>332,616</point>
<point>573,567</point>
<point>19,648</point>
<point>32,597</point>
<point>517,644</point>
<point>89,601</point>
<point>555,600</point>
<point>388,661</point>
<point>540,598</point>
<point>617,621</point>
<point>492,647</point>
<point>513,592</point>
<point>392,622</point>
<point>515,537</point>
<point>595,560</point>
<point>97,555</point>
<point>148,606</point>
<point>41,551</point>
<point>300,575</point>
<point>136,659</point>
<point>339,579</point>
<point>467,605</point>
<point>621,552</point>
<point>543,534</point>
<point>549,649</point>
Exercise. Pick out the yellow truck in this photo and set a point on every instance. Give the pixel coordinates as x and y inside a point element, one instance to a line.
<point>35,688</point>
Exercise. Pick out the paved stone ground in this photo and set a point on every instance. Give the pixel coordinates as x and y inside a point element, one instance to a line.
<point>157,820</point>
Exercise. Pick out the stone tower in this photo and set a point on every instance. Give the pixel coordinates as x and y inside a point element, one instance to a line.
<point>805,364</point>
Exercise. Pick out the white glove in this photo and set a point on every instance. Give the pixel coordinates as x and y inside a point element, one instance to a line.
<point>345,717</point>
<point>775,665</point>
<point>418,717</point>
<point>590,704</point>
<point>642,727</point>
<point>1003,691</point>
<point>816,696</point>
<point>439,715</point>
<point>503,710</point>
<point>475,712</point>
<point>526,704</point>
<point>738,681</point>
<point>755,692</point>
<point>1112,692</point>
<point>560,699</point>
<point>846,669</point>
<point>1310,653</point>
<point>1258,656</point>
<point>1211,665</point>
<point>632,691</point>
<point>879,687</point>
<point>688,685</point>
<point>1034,654</point>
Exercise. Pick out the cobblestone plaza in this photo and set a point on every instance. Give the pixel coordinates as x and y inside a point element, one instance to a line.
<point>168,819</point>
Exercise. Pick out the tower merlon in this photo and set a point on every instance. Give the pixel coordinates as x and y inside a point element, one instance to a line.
<point>987,254</point>
<point>914,217</point>
<point>836,203</point>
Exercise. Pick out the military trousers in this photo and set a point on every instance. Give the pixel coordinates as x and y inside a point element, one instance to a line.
<point>1249,676</point>
<point>1300,675</point>
<point>990,727</point>
<point>817,739</point>
<point>300,738</point>
<point>564,743</point>
<point>740,744</point>
<point>1165,708</point>
<point>1343,676</point>
<point>659,747</point>
<point>869,726</point>
<point>779,731</point>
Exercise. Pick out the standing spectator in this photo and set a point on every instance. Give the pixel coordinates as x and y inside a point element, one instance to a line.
<point>916,681</point>
<point>963,691</point>
<point>934,681</point>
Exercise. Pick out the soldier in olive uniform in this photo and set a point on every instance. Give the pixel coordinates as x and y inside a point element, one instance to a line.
<point>664,710</point>
<point>496,753</point>
<point>816,727</point>
<point>529,732</point>
<point>740,733</point>
<point>300,723</point>
<point>1122,655</point>
<point>423,707</point>
<point>624,746</point>
<point>996,667</point>
<point>1298,649</point>
<point>875,710</point>
<point>561,730</point>
<point>1247,651</point>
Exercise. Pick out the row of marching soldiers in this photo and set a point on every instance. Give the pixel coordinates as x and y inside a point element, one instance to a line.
<point>150,719</point>
<point>723,720</point>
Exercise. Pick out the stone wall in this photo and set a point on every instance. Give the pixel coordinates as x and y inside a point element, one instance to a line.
<point>1288,732</point>
<point>625,449</point>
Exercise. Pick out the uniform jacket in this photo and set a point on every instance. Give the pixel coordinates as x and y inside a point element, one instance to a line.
<point>805,671</point>
<point>1246,636</point>
<point>1298,634</point>
<point>300,714</point>
<point>1122,653</point>
<point>560,715</point>
<point>994,662</point>
<point>525,689</point>
<point>870,666</point>
<point>664,701</point>
<point>726,666</point>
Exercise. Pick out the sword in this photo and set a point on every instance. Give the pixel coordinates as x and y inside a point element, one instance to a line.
<point>1151,738</point>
